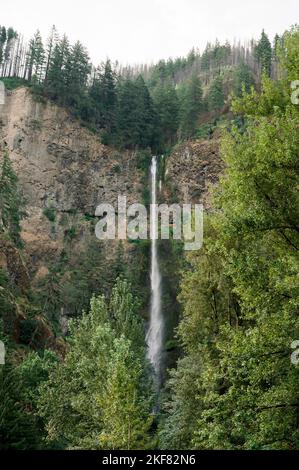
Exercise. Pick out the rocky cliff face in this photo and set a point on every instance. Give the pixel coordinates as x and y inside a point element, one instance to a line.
<point>64,173</point>
<point>192,169</point>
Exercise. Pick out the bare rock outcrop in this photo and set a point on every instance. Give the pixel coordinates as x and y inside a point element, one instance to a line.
<point>193,168</point>
<point>64,173</point>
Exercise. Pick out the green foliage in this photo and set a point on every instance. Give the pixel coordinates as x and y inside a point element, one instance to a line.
<point>103,95</point>
<point>167,105</point>
<point>70,233</point>
<point>191,106</point>
<point>143,161</point>
<point>10,201</point>
<point>235,387</point>
<point>20,426</point>
<point>99,398</point>
<point>50,213</point>
<point>216,94</point>
<point>263,53</point>
<point>11,83</point>
<point>137,120</point>
<point>243,79</point>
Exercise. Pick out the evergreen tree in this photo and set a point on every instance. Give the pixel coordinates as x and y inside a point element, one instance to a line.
<point>10,201</point>
<point>167,106</point>
<point>52,41</point>
<point>216,94</point>
<point>137,122</point>
<point>20,426</point>
<point>236,387</point>
<point>104,96</point>
<point>191,107</point>
<point>55,86</point>
<point>35,59</point>
<point>76,71</point>
<point>39,57</point>
<point>243,79</point>
<point>263,53</point>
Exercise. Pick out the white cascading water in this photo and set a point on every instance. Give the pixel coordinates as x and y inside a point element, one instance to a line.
<point>155,331</point>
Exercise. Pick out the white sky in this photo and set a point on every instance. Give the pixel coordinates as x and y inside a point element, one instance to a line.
<point>133,31</point>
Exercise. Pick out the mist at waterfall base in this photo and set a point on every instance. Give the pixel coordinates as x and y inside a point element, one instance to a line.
<point>156,324</point>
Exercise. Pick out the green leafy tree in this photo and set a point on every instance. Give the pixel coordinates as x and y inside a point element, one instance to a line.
<point>240,294</point>
<point>99,397</point>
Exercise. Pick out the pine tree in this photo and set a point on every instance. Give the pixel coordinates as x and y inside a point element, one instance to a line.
<point>35,59</point>
<point>55,86</point>
<point>104,95</point>
<point>216,94</point>
<point>137,120</point>
<point>52,41</point>
<point>167,105</point>
<point>76,72</point>
<point>39,57</point>
<point>191,107</point>
<point>243,79</point>
<point>263,53</point>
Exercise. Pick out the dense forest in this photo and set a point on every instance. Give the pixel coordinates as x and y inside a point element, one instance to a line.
<point>234,385</point>
<point>140,106</point>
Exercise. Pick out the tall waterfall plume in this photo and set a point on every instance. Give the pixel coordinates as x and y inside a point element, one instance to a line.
<point>155,331</point>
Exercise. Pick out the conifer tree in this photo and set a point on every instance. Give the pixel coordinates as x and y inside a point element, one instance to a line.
<point>263,53</point>
<point>75,74</point>
<point>104,96</point>
<point>56,80</point>
<point>243,79</point>
<point>52,41</point>
<point>137,117</point>
<point>167,105</point>
<point>10,201</point>
<point>191,107</point>
<point>216,94</point>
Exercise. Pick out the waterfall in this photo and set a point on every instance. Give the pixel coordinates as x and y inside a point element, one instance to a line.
<point>155,331</point>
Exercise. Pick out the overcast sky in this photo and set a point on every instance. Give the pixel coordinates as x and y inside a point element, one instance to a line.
<point>135,31</point>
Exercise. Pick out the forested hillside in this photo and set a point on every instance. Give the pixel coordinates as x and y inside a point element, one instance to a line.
<point>89,384</point>
<point>143,106</point>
